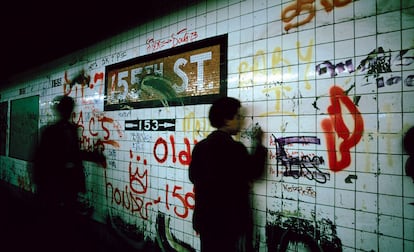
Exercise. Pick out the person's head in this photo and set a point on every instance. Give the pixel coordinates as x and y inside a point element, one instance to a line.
<point>224,115</point>
<point>64,106</point>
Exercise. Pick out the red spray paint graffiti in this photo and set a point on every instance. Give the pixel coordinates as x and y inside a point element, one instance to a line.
<point>336,126</point>
<point>136,196</point>
<point>136,182</point>
<point>180,37</point>
<point>86,142</point>
<point>184,156</point>
<point>84,80</point>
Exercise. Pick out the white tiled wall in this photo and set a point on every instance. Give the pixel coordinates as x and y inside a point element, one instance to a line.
<point>365,203</point>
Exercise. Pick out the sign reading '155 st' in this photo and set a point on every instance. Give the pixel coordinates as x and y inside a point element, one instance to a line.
<point>194,73</point>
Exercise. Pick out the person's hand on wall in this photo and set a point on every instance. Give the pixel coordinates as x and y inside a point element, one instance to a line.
<point>100,159</point>
<point>94,156</point>
<point>257,135</point>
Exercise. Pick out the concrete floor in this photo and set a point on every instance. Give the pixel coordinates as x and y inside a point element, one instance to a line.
<point>24,228</point>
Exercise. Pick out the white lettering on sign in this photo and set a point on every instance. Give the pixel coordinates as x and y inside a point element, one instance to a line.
<point>186,74</point>
<point>199,60</point>
<point>189,74</point>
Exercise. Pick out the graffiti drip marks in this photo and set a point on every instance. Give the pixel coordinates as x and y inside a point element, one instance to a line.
<point>314,235</point>
<point>166,240</point>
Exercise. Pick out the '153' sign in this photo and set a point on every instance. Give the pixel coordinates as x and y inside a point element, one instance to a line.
<point>150,125</point>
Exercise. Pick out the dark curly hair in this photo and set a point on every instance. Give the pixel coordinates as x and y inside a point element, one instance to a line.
<point>224,108</point>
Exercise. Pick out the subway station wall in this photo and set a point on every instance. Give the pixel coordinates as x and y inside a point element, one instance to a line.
<point>329,82</point>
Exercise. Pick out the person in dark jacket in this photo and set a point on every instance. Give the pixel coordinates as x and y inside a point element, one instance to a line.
<point>58,172</point>
<point>58,169</point>
<point>222,170</point>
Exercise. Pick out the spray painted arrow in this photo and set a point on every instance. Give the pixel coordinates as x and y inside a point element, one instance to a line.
<point>348,179</point>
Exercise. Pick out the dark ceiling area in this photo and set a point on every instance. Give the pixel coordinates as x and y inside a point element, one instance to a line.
<point>34,33</point>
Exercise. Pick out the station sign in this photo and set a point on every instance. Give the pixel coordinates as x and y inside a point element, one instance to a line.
<point>194,73</point>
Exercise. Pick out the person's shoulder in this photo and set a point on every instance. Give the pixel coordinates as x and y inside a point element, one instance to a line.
<point>200,143</point>
<point>48,133</point>
<point>65,125</point>
<point>48,128</point>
